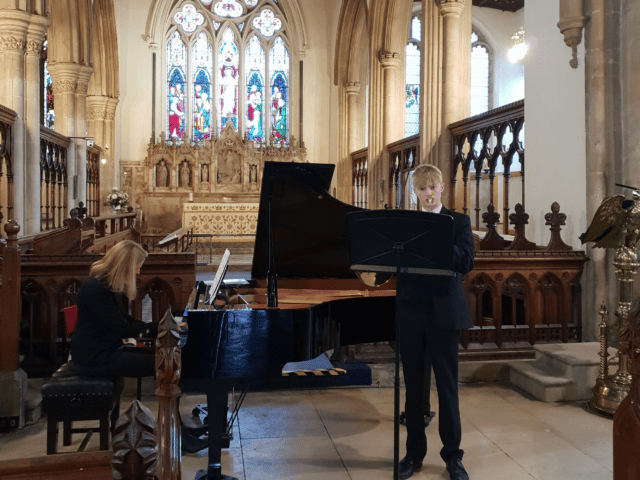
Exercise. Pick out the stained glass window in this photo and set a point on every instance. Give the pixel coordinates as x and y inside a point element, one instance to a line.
<point>49,116</point>
<point>267,23</point>
<point>176,67</point>
<point>279,68</point>
<point>202,75</point>
<point>255,67</point>
<point>188,18</point>
<point>412,80</point>
<point>227,61</point>
<point>228,9</point>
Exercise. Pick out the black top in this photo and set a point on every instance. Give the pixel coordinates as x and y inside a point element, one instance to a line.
<point>101,326</point>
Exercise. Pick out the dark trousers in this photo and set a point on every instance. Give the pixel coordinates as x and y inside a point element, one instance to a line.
<point>419,332</point>
<point>126,362</point>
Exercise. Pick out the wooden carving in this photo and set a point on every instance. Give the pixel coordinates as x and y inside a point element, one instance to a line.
<point>492,240</point>
<point>626,420</point>
<point>168,367</point>
<point>519,220</point>
<point>135,445</point>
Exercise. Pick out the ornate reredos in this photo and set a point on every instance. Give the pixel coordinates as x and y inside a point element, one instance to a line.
<point>233,164</point>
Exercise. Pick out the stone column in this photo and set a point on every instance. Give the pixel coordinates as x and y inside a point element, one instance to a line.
<point>13,42</point>
<point>84,74</point>
<point>33,108</point>
<point>100,124</point>
<point>352,89</point>
<point>598,271</point>
<point>451,81</point>
<point>390,123</point>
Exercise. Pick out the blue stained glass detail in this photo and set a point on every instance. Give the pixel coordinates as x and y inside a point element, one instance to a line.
<point>202,106</point>
<point>279,107</point>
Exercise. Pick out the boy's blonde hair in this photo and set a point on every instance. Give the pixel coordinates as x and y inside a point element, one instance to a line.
<point>117,269</point>
<point>425,175</point>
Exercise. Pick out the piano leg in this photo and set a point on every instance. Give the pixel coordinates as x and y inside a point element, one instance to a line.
<point>217,421</point>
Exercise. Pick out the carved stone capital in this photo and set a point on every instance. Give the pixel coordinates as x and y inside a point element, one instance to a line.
<point>352,88</point>
<point>389,59</point>
<point>451,7</point>
<point>11,42</point>
<point>64,86</point>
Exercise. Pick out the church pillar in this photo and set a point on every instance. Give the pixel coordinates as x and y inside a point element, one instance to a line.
<point>33,107</point>
<point>100,125</point>
<point>13,41</point>
<point>64,82</point>
<point>352,89</point>
<point>84,74</point>
<point>390,124</point>
<point>451,86</point>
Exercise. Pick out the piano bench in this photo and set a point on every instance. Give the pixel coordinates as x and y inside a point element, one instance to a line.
<point>67,397</point>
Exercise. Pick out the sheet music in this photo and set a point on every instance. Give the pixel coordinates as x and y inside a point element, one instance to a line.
<point>217,280</point>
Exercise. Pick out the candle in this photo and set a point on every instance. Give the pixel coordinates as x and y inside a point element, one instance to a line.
<point>191,196</point>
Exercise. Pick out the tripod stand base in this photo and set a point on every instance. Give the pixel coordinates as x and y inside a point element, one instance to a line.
<point>608,393</point>
<point>202,475</point>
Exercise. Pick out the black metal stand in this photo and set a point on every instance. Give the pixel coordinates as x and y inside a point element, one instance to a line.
<point>401,242</point>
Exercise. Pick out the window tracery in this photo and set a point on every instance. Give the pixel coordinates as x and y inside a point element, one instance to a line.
<point>227,61</point>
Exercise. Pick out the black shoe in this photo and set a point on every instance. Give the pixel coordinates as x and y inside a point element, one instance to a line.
<point>456,470</point>
<point>407,466</point>
<point>196,431</point>
<point>428,417</point>
<point>191,444</point>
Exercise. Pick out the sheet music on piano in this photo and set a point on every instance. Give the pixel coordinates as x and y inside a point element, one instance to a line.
<point>217,280</point>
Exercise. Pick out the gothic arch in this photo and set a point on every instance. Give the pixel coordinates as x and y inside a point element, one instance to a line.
<point>160,11</point>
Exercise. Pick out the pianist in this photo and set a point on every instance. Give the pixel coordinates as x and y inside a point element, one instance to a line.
<point>97,347</point>
<point>434,310</point>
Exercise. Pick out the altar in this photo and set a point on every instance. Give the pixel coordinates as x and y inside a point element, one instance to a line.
<point>225,221</point>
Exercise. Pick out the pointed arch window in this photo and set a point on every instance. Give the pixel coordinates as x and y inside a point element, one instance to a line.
<point>481,88</point>
<point>227,61</point>
<point>48,115</point>
<point>412,79</point>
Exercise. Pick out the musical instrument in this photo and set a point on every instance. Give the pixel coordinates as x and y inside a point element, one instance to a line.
<point>303,298</point>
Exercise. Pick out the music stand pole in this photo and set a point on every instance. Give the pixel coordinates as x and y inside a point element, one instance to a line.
<point>399,248</point>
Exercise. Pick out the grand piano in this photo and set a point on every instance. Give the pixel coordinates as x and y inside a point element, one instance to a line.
<point>303,299</point>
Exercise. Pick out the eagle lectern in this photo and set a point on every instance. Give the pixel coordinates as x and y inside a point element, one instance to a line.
<point>616,224</point>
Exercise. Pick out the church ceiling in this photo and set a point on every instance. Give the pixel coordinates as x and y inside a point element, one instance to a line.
<point>508,5</point>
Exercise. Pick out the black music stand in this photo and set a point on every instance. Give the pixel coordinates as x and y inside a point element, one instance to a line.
<point>402,242</point>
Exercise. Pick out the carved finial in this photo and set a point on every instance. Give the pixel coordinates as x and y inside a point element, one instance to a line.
<point>492,240</point>
<point>135,445</point>
<point>519,220</point>
<point>555,219</point>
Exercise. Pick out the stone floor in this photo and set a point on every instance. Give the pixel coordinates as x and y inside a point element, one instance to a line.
<point>347,433</point>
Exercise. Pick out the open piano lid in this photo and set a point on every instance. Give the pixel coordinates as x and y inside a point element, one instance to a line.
<point>309,225</point>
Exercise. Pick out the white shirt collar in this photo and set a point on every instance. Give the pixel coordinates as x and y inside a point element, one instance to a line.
<point>438,209</point>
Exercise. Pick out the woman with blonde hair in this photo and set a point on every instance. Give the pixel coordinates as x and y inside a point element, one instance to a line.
<point>103,322</point>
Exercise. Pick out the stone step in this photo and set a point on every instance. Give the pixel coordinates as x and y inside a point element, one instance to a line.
<point>560,372</point>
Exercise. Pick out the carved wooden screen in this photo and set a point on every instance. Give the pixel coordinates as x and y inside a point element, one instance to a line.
<point>6,167</point>
<point>487,151</point>
<point>93,181</point>
<point>404,158</point>
<point>53,179</point>
<point>359,161</point>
